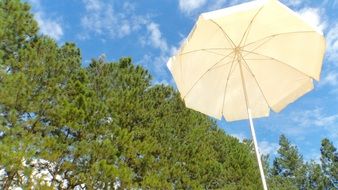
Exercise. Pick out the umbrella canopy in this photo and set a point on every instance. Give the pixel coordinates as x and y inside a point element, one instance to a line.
<point>242,61</point>
<point>261,45</point>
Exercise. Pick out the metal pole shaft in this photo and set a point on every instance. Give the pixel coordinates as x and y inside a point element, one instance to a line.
<point>252,129</point>
<point>253,133</point>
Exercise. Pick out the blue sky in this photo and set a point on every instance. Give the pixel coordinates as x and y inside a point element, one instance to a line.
<point>150,31</point>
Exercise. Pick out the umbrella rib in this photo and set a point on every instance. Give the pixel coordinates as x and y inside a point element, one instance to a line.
<point>224,33</point>
<point>257,59</point>
<point>260,45</point>
<point>271,58</point>
<point>247,31</point>
<point>219,66</point>
<point>206,73</point>
<point>226,84</point>
<point>206,50</point>
<point>214,52</point>
<point>253,75</point>
<point>278,34</point>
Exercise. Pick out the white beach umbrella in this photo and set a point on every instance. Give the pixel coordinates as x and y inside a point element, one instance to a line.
<point>242,61</point>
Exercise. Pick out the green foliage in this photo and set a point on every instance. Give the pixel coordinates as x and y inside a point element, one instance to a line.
<point>329,161</point>
<point>290,161</point>
<point>315,178</point>
<point>281,183</point>
<point>290,172</point>
<point>104,125</point>
<point>17,27</point>
<point>165,145</point>
<point>287,170</point>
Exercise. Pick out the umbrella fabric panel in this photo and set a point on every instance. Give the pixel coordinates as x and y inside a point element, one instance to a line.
<point>235,106</point>
<point>275,18</point>
<point>206,35</point>
<point>270,25</point>
<point>207,96</point>
<point>280,83</point>
<point>236,25</point>
<point>301,51</point>
<point>304,87</point>
<point>190,68</point>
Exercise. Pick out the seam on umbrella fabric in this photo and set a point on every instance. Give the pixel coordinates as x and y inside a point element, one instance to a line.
<point>205,74</point>
<point>226,85</point>
<point>279,62</point>
<point>253,75</point>
<point>225,34</point>
<point>248,29</point>
<point>279,34</point>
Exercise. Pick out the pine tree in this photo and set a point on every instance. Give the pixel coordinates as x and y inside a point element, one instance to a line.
<point>187,150</point>
<point>315,179</point>
<point>289,163</point>
<point>276,182</point>
<point>329,161</point>
<point>104,125</point>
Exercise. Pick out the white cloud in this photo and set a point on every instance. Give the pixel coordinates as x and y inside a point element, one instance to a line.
<point>155,38</point>
<point>219,4</point>
<point>316,119</point>
<point>121,20</point>
<point>157,64</point>
<point>330,79</point>
<point>267,148</point>
<point>93,5</point>
<point>293,2</point>
<point>157,67</point>
<point>188,6</point>
<point>332,43</point>
<point>102,19</point>
<point>193,7</point>
<point>313,17</point>
<point>48,26</point>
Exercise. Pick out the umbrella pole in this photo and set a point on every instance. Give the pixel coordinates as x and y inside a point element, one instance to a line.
<point>252,129</point>
<point>253,133</point>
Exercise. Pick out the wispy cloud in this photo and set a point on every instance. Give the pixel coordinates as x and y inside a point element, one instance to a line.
<point>268,148</point>
<point>119,20</point>
<point>101,18</point>
<point>330,79</point>
<point>315,117</point>
<point>155,38</point>
<point>48,26</point>
<point>157,64</point>
<point>314,17</point>
<point>219,4</point>
<point>189,6</point>
<point>305,122</point>
<point>332,43</point>
<point>193,7</point>
<point>293,3</point>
